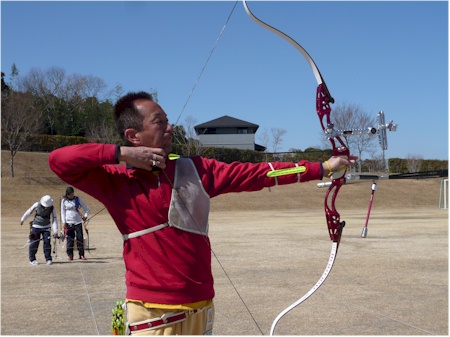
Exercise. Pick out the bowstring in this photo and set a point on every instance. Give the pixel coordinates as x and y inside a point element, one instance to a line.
<point>206,63</point>
<point>213,253</point>
<point>173,187</point>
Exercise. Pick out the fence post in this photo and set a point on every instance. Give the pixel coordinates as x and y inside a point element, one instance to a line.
<point>443,193</point>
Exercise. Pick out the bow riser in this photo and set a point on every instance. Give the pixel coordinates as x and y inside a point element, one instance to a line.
<point>323,109</point>
<point>333,217</point>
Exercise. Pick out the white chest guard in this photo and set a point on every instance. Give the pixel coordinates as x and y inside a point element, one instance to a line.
<point>189,207</point>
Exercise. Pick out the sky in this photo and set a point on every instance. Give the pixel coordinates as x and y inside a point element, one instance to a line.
<point>381,55</point>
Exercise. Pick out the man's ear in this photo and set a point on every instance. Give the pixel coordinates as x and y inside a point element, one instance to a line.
<point>133,136</point>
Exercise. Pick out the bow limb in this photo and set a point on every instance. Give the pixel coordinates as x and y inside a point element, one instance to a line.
<point>322,279</point>
<point>315,69</point>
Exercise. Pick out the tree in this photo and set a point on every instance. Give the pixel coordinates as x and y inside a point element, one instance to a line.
<point>5,87</point>
<point>80,98</point>
<point>277,137</point>
<point>117,92</point>
<point>47,87</point>
<point>154,93</point>
<point>414,162</point>
<point>63,98</point>
<point>13,75</point>
<point>20,120</point>
<point>100,126</point>
<point>186,137</point>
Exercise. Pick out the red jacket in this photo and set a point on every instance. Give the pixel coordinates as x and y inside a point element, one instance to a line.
<point>168,266</point>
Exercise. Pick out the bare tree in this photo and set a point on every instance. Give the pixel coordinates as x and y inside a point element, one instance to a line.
<point>352,117</point>
<point>20,120</point>
<point>414,162</point>
<point>186,136</point>
<point>191,135</point>
<point>277,137</point>
<point>62,97</point>
<point>104,132</point>
<point>375,164</point>
<point>48,87</point>
<point>117,92</point>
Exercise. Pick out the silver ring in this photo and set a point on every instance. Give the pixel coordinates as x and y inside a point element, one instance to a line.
<point>154,157</point>
<point>154,163</point>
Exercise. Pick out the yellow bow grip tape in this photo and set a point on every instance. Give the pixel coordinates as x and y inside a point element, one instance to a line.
<point>286,171</point>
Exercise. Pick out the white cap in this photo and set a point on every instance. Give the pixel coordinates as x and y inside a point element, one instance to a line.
<point>46,201</point>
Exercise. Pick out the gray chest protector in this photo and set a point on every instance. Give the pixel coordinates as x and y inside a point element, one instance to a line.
<point>42,217</point>
<point>189,207</point>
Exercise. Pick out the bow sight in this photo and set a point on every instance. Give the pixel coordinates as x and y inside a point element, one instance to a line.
<point>380,131</point>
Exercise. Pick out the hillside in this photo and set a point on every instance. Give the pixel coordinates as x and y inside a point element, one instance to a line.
<point>33,179</point>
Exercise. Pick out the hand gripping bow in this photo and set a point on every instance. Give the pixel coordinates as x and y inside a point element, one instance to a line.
<point>323,101</point>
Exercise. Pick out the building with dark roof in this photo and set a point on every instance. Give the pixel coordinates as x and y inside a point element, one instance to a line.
<point>228,132</point>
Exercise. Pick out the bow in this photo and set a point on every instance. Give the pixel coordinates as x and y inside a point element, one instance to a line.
<point>85,223</point>
<point>323,109</point>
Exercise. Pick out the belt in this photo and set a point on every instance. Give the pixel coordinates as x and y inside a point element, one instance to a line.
<point>166,319</point>
<point>143,232</point>
<point>39,227</point>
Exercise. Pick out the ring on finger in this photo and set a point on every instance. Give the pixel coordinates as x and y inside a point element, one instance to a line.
<point>154,163</point>
<point>154,157</point>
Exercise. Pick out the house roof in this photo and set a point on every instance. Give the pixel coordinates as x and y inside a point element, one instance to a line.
<point>226,121</point>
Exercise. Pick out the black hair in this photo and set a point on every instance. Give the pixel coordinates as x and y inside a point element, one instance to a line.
<point>126,115</point>
<point>69,190</point>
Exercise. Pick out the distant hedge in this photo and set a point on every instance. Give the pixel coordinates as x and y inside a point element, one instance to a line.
<point>399,165</point>
<point>48,143</point>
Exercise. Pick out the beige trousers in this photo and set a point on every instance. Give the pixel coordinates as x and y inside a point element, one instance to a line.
<point>200,323</point>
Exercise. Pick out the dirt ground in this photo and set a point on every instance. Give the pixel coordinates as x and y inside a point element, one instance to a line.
<point>270,247</point>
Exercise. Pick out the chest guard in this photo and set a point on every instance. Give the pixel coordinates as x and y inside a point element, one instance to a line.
<point>43,214</point>
<point>71,205</point>
<point>189,207</point>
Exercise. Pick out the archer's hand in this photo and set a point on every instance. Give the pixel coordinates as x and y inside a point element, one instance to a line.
<point>143,157</point>
<point>337,164</point>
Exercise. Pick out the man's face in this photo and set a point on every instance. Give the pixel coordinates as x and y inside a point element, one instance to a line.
<point>156,129</point>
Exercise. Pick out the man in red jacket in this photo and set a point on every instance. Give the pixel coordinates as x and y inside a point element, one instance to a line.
<point>161,207</point>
